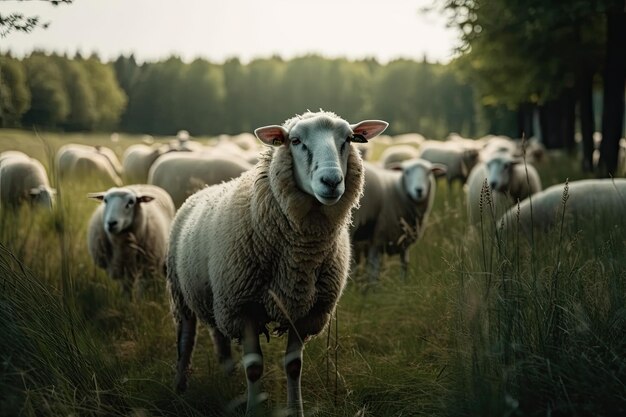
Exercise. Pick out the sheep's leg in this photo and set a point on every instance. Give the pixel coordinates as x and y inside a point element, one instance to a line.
<point>293,369</point>
<point>186,335</point>
<point>373,262</point>
<point>253,364</point>
<point>222,348</point>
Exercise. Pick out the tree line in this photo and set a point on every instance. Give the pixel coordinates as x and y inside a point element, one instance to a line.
<point>205,98</point>
<point>550,57</point>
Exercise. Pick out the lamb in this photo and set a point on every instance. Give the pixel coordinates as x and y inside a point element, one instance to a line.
<point>23,179</point>
<point>458,157</point>
<point>77,161</point>
<point>506,179</point>
<point>397,153</point>
<point>393,211</point>
<point>269,246</point>
<point>183,173</point>
<point>591,204</point>
<point>128,234</point>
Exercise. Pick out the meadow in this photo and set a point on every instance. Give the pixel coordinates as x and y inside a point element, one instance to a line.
<point>487,323</point>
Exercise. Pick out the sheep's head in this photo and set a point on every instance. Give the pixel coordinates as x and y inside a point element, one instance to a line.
<point>320,145</point>
<point>416,175</point>
<point>120,208</point>
<point>43,196</point>
<point>499,171</point>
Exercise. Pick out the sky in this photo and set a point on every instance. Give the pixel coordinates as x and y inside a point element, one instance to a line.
<point>247,29</point>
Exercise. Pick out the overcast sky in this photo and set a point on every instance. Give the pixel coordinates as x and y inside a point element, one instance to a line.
<point>220,29</point>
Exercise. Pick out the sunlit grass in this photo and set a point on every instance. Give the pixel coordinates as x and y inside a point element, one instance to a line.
<point>521,334</point>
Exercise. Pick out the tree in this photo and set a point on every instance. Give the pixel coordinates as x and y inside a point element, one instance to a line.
<point>83,114</point>
<point>18,22</point>
<point>14,92</point>
<point>50,103</point>
<point>110,99</point>
<point>544,53</point>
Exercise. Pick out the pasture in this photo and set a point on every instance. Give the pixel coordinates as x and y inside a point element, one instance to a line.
<point>486,323</point>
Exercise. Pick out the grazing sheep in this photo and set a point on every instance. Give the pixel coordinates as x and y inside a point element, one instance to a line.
<point>138,159</point>
<point>76,161</point>
<point>506,178</point>
<point>456,156</point>
<point>269,246</point>
<point>397,153</point>
<point>128,234</point>
<point>183,173</point>
<point>592,205</point>
<point>23,179</point>
<point>393,211</point>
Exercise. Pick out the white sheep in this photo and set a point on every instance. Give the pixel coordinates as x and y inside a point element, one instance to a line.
<point>269,246</point>
<point>591,205</point>
<point>138,159</point>
<point>397,153</point>
<point>128,234</point>
<point>507,182</point>
<point>75,161</point>
<point>393,211</point>
<point>457,156</point>
<point>183,173</point>
<point>23,179</point>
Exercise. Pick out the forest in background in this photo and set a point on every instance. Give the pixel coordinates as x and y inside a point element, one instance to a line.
<point>559,67</point>
<point>205,98</point>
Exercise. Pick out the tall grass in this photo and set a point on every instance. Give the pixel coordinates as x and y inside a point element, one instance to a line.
<point>487,324</point>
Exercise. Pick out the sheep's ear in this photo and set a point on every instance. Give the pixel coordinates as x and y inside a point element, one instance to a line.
<point>395,166</point>
<point>439,170</point>
<point>144,199</point>
<point>96,196</point>
<point>367,129</point>
<point>272,135</point>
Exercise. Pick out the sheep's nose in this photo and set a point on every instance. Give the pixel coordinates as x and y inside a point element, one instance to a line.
<point>418,192</point>
<point>331,181</point>
<point>111,225</point>
<point>493,184</point>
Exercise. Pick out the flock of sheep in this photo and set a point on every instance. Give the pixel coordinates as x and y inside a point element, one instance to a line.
<point>251,231</point>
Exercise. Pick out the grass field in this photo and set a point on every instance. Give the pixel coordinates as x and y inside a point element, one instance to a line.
<point>484,325</point>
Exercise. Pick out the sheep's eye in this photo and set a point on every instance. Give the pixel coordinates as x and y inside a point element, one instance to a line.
<point>130,204</point>
<point>295,141</point>
<point>105,200</point>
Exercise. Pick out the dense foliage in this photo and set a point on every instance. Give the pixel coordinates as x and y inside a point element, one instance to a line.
<point>548,57</point>
<point>78,94</point>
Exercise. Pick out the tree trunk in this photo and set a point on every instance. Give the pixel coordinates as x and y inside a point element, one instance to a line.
<point>550,121</point>
<point>525,120</point>
<point>568,119</point>
<point>614,79</point>
<point>585,97</point>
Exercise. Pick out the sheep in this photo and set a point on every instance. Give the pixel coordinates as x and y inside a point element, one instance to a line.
<point>183,173</point>
<point>76,161</point>
<point>393,212</point>
<point>128,234</point>
<point>591,205</point>
<point>458,157</point>
<point>397,153</point>
<point>269,246</point>
<point>23,179</point>
<point>504,176</point>
<point>138,159</point>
